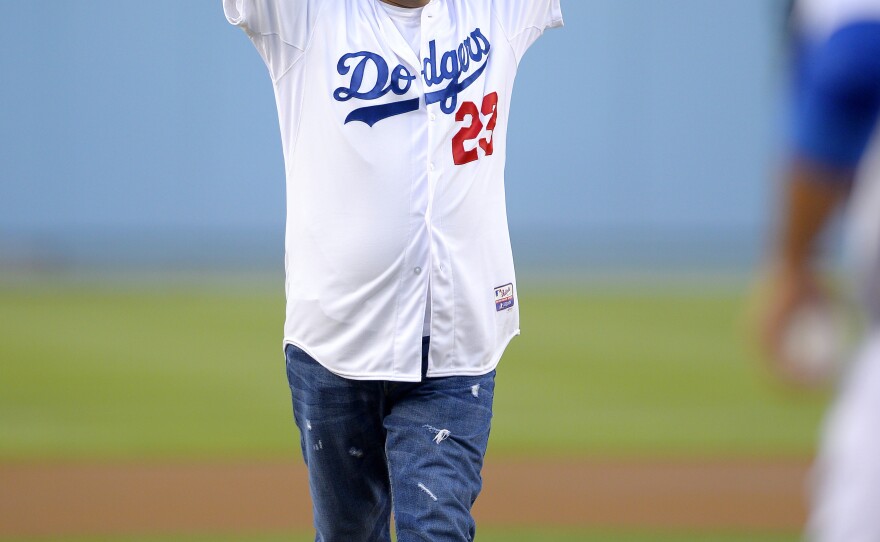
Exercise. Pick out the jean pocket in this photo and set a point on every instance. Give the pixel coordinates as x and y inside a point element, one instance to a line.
<point>485,385</point>
<point>293,356</point>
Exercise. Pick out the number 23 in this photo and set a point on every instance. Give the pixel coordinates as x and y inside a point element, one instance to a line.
<point>471,132</point>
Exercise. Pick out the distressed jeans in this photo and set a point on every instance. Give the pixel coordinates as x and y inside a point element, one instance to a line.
<point>370,443</point>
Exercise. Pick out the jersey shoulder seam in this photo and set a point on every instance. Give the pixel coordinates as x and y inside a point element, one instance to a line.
<point>304,49</point>
<point>298,130</point>
<point>535,27</point>
<point>507,36</point>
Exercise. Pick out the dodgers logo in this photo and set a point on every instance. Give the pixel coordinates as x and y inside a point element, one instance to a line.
<point>504,297</point>
<point>399,80</point>
<point>458,68</point>
<point>451,66</point>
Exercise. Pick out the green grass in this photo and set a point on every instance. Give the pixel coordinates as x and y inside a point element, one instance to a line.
<point>178,371</point>
<point>487,536</point>
<point>646,370</point>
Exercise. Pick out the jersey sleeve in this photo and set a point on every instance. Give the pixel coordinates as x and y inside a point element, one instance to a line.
<point>279,29</point>
<point>525,20</point>
<point>836,100</point>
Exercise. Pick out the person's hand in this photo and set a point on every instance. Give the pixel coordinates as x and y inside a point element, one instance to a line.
<point>782,293</point>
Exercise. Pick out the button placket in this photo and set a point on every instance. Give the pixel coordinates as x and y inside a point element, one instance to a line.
<point>432,127</point>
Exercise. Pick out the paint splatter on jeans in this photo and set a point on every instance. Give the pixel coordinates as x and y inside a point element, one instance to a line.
<point>363,441</point>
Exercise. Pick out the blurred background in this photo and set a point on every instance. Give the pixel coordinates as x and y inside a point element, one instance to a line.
<point>141,297</point>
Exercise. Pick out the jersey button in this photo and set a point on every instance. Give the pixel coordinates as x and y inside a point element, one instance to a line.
<point>433,117</point>
<point>418,270</point>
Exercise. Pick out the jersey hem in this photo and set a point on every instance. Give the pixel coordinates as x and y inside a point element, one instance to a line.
<point>493,364</point>
<point>352,376</point>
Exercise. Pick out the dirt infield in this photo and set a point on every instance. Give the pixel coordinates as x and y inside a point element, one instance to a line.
<point>77,499</point>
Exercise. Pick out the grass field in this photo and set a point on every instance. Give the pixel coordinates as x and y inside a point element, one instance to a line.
<point>177,371</point>
<point>172,371</point>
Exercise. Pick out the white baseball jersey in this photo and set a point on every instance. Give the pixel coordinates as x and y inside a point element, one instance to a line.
<point>395,178</point>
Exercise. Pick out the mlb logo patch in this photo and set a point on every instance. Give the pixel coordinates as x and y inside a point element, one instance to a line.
<point>504,297</point>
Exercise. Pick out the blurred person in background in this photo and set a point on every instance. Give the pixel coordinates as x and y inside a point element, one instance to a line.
<point>833,161</point>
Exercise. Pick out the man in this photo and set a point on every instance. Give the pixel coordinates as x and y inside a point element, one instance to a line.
<point>401,294</point>
<point>836,105</point>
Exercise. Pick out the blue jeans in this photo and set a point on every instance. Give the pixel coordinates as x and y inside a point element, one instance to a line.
<point>368,443</point>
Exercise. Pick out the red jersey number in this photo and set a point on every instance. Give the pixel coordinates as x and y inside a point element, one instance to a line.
<point>470,132</point>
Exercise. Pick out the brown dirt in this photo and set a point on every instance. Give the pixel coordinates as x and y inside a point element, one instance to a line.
<point>78,499</point>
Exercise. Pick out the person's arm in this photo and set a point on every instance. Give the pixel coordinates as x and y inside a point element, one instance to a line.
<point>813,192</point>
<point>836,109</point>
